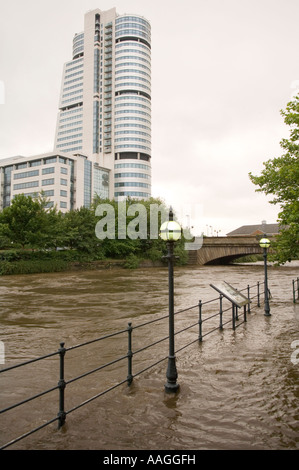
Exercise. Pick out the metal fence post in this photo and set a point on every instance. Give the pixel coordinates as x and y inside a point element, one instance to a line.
<point>248,296</point>
<point>233,316</point>
<point>61,385</point>
<point>220,312</point>
<point>200,321</point>
<point>295,289</point>
<point>130,354</point>
<point>258,294</point>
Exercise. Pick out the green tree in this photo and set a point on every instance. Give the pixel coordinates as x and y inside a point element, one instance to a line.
<point>280,178</point>
<point>79,230</point>
<point>55,234</point>
<point>24,221</point>
<point>138,233</point>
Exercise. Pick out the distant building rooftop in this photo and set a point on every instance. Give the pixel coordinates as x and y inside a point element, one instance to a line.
<point>254,230</point>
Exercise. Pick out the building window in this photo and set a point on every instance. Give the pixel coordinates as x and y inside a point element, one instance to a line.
<point>101,182</point>
<point>87,183</point>
<point>132,165</point>
<point>63,171</point>
<point>95,127</point>
<point>48,181</point>
<point>132,194</point>
<point>21,165</point>
<point>63,193</point>
<point>35,163</point>
<point>131,175</point>
<point>45,171</point>
<point>34,195</point>
<point>63,181</point>
<point>48,193</point>
<point>26,174</point>
<point>63,205</point>
<point>131,183</point>
<point>30,184</point>
<point>6,202</point>
<point>50,160</point>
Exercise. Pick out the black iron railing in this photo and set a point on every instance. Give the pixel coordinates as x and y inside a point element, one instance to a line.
<point>221,315</point>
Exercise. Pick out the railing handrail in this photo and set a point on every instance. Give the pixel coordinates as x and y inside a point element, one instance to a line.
<point>30,361</point>
<point>62,351</point>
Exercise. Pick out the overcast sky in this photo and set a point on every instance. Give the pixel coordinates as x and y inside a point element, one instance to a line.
<point>221,72</point>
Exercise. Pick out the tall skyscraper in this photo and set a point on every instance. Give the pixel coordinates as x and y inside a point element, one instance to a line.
<point>105,102</point>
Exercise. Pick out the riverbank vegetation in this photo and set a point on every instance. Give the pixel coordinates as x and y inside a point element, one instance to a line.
<point>36,238</point>
<point>279,178</point>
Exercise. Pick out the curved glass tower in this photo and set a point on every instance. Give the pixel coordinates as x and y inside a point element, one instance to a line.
<point>105,101</point>
<point>132,107</point>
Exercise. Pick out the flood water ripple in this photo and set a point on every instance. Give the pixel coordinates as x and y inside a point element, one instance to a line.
<point>238,389</point>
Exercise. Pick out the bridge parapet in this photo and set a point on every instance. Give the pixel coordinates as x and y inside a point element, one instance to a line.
<point>224,249</point>
<point>231,241</point>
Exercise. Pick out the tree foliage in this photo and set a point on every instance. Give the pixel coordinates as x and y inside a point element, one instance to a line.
<point>280,178</point>
<point>25,222</point>
<point>29,223</point>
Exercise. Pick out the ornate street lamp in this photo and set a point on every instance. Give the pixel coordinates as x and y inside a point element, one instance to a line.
<point>265,243</point>
<point>170,232</point>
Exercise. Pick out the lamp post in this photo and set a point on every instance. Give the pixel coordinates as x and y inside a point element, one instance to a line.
<point>170,232</point>
<point>265,243</point>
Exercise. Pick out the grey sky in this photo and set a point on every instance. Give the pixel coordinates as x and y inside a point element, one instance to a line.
<point>221,72</point>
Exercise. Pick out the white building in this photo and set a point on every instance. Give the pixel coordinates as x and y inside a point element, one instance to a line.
<point>105,101</point>
<point>103,133</point>
<point>68,181</point>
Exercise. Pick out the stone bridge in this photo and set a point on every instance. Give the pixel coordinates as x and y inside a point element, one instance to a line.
<point>222,250</point>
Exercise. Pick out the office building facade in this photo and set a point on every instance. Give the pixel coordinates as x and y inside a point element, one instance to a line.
<point>105,101</point>
<point>67,181</point>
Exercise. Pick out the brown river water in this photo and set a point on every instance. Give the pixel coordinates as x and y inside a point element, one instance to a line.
<point>238,388</point>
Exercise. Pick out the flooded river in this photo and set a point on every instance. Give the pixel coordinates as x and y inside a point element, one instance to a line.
<point>238,389</point>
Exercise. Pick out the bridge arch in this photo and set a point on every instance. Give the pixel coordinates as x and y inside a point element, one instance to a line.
<point>228,259</point>
<point>222,250</point>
